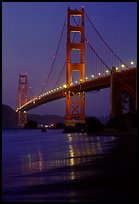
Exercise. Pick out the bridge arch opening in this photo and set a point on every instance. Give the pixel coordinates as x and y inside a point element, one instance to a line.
<point>75,77</point>
<point>75,56</point>
<point>75,19</point>
<point>75,37</point>
<point>126,102</point>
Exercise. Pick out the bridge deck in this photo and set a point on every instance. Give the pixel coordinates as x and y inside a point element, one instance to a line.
<point>90,85</point>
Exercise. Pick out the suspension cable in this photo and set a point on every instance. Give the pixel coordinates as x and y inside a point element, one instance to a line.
<point>65,60</point>
<point>105,41</point>
<point>92,48</point>
<point>30,88</point>
<point>54,58</point>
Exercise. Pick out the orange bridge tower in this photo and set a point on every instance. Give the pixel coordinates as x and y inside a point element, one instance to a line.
<point>22,99</point>
<point>75,101</point>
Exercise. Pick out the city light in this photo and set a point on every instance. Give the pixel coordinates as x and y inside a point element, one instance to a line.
<point>99,74</point>
<point>86,78</point>
<point>92,76</point>
<point>122,65</point>
<point>131,62</point>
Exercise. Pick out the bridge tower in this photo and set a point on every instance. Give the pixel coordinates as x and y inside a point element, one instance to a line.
<point>75,101</point>
<point>22,99</point>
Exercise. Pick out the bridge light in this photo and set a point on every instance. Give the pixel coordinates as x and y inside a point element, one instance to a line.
<point>92,76</point>
<point>81,80</point>
<point>131,62</point>
<point>116,68</point>
<point>71,83</point>
<point>99,73</point>
<point>86,78</point>
<point>65,86</point>
<point>57,88</point>
<point>60,87</point>
<point>33,101</point>
<point>25,111</point>
<point>107,71</point>
<point>76,82</point>
<point>122,65</point>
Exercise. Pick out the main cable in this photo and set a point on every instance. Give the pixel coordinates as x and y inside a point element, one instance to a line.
<point>54,58</point>
<point>105,41</point>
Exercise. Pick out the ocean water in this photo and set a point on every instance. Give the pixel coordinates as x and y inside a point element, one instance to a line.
<point>55,167</point>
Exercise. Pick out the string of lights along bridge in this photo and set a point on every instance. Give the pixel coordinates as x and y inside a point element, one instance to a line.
<point>82,62</point>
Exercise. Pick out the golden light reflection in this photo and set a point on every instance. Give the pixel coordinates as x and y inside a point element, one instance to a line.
<point>33,162</point>
<point>72,175</point>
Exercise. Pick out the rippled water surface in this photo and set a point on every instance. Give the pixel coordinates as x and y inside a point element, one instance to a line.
<point>51,166</point>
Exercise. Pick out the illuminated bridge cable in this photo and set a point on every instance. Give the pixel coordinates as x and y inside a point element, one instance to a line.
<point>104,41</point>
<point>93,48</point>
<point>63,67</point>
<point>65,61</point>
<point>30,89</point>
<point>54,58</point>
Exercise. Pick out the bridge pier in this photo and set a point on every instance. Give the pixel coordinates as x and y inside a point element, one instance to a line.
<point>111,92</point>
<point>122,92</point>
<point>22,118</point>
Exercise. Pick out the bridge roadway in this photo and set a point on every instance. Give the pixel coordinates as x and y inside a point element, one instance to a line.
<point>89,85</point>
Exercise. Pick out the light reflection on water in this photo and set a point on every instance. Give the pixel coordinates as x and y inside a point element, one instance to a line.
<point>36,158</point>
<point>79,149</point>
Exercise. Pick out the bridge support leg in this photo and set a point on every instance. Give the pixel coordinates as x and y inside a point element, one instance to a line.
<point>112,108</point>
<point>22,118</point>
<point>75,108</point>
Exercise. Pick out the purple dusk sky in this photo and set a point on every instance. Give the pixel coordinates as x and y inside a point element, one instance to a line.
<point>30,35</point>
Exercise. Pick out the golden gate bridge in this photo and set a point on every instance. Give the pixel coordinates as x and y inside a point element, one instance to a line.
<point>90,64</point>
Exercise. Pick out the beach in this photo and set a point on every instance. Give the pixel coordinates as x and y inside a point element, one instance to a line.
<point>54,167</point>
